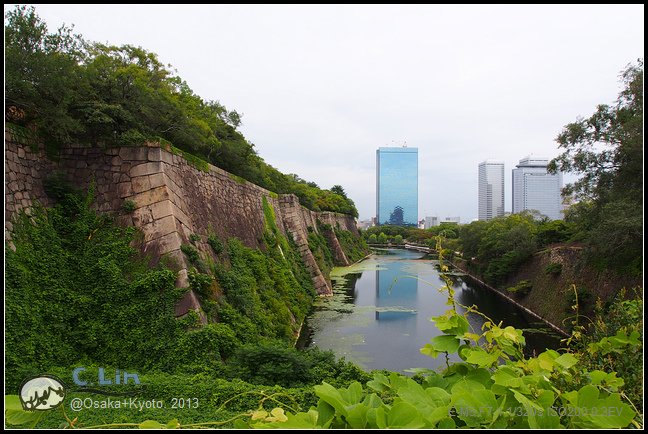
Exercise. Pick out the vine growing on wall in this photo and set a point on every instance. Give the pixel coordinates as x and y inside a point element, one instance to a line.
<point>494,386</point>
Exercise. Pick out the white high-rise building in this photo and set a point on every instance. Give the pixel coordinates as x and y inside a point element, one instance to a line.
<point>491,189</point>
<point>431,221</point>
<point>536,189</point>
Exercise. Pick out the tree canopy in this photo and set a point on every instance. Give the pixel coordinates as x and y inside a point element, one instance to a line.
<point>606,149</point>
<point>69,90</point>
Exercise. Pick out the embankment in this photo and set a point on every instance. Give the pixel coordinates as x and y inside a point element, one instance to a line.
<point>171,200</point>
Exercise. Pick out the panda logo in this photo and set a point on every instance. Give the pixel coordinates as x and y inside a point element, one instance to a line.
<point>42,393</point>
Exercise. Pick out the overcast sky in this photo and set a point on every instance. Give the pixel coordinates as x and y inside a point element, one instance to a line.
<point>321,87</point>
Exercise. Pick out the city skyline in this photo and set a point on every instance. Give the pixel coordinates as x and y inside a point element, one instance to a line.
<point>321,86</point>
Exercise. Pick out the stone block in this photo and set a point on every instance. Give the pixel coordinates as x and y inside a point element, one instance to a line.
<point>180,215</point>
<point>161,209</point>
<point>159,228</point>
<point>151,196</point>
<point>154,154</point>
<point>134,154</point>
<point>189,301</point>
<point>140,184</point>
<point>21,153</point>
<point>166,243</point>
<point>124,189</point>
<point>145,169</point>
<point>157,179</point>
<point>142,216</point>
<point>166,157</point>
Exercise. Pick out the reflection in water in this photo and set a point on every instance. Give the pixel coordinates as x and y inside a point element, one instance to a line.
<point>380,317</point>
<point>393,289</point>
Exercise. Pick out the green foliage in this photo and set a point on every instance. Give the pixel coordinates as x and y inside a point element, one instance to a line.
<point>207,345</point>
<point>554,231</point>
<point>321,251</point>
<point>580,298</point>
<point>372,239</point>
<point>354,247</point>
<point>70,90</point>
<point>382,238</point>
<point>523,287</point>
<point>193,238</point>
<point>191,252</point>
<point>43,78</point>
<point>499,246</point>
<point>194,257</point>
<point>128,206</point>
<point>215,243</point>
<point>200,283</point>
<point>75,288</point>
<point>274,363</point>
<point>269,293</point>
<point>57,186</point>
<point>606,150</point>
<point>553,268</point>
<point>494,386</point>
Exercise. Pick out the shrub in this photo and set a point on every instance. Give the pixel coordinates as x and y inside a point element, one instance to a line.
<point>215,243</point>
<point>554,268</point>
<point>270,364</point>
<point>128,206</point>
<point>523,287</point>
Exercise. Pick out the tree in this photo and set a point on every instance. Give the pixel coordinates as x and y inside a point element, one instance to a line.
<point>337,189</point>
<point>68,90</point>
<point>382,238</point>
<point>607,150</point>
<point>42,75</point>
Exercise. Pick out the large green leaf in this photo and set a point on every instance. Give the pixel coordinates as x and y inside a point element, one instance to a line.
<point>446,343</point>
<point>566,360</point>
<point>482,358</point>
<point>15,415</point>
<point>451,323</point>
<point>404,415</point>
<point>325,413</point>
<point>332,396</point>
<point>357,415</point>
<point>475,407</point>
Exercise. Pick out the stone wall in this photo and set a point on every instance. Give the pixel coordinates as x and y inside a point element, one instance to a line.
<point>172,200</point>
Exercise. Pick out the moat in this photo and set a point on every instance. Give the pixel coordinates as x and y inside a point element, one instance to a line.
<point>379,316</point>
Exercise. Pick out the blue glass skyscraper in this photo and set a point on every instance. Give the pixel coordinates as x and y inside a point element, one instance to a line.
<point>397,186</point>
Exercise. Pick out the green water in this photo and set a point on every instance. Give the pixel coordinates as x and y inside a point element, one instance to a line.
<point>379,315</point>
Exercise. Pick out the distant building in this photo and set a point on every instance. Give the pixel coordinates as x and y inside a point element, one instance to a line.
<point>491,189</point>
<point>397,186</point>
<point>365,224</point>
<point>456,220</point>
<point>421,224</point>
<point>536,189</point>
<point>430,222</point>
